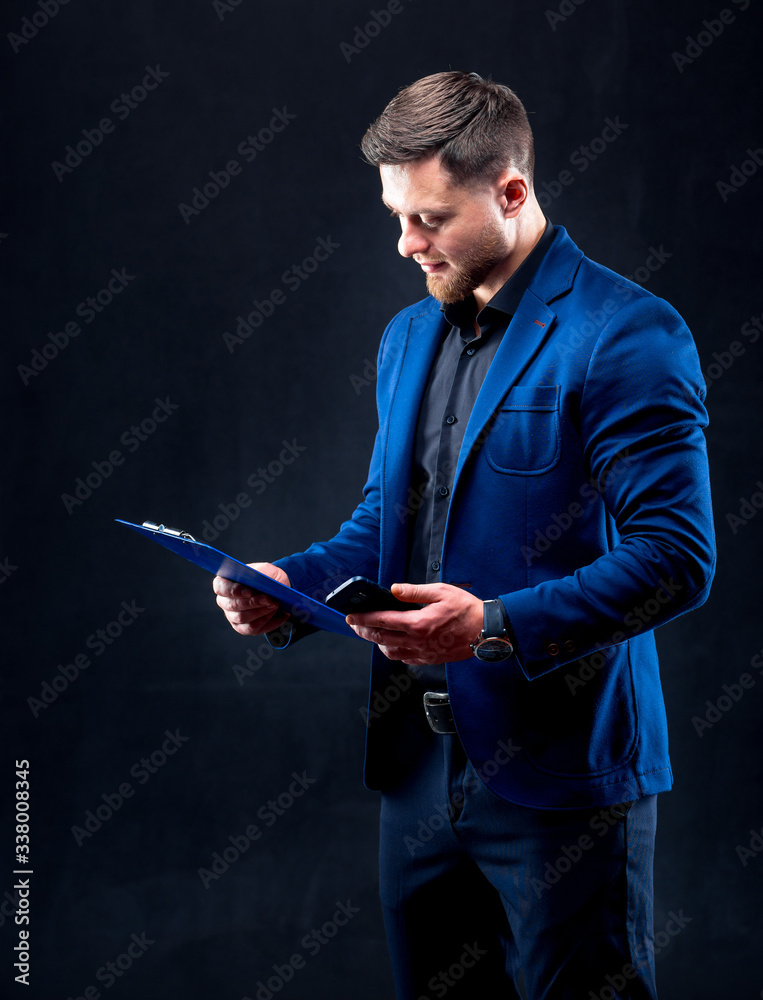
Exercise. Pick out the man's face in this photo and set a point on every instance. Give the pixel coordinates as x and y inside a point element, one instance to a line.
<point>456,233</point>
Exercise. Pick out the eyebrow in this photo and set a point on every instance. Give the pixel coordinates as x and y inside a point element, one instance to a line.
<point>421,211</point>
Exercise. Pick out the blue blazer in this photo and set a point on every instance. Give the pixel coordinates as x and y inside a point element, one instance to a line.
<point>581,499</point>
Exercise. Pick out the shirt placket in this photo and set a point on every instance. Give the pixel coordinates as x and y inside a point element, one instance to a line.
<point>452,426</point>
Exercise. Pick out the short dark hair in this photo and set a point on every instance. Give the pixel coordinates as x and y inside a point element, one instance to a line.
<point>476,126</point>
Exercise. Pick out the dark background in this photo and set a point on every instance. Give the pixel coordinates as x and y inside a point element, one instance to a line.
<point>305,376</point>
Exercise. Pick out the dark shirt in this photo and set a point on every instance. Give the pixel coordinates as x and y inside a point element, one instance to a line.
<point>454,382</point>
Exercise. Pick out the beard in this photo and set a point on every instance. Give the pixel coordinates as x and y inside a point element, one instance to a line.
<point>490,248</point>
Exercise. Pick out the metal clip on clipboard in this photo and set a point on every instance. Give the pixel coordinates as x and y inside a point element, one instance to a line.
<point>175,532</point>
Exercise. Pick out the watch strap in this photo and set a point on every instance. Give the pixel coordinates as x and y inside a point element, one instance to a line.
<point>493,620</point>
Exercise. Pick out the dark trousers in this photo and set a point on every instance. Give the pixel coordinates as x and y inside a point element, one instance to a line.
<point>475,890</point>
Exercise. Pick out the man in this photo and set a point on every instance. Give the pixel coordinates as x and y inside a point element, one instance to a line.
<point>539,487</point>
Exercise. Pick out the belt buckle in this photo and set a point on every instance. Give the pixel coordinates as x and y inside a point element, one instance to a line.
<point>438,712</point>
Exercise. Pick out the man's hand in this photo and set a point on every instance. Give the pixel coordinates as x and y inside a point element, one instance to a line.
<point>250,613</point>
<point>440,632</point>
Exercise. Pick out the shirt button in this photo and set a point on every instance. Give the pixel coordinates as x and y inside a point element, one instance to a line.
<point>471,351</point>
<point>435,566</point>
<point>443,491</point>
<point>552,649</point>
<point>450,419</point>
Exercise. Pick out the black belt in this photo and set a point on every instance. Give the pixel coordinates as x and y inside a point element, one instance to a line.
<point>439,715</point>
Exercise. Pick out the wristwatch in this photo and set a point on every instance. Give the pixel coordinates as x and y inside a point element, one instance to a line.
<point>493,643</point>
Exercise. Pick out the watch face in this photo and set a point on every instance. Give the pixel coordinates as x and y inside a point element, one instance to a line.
<point>492,650</point>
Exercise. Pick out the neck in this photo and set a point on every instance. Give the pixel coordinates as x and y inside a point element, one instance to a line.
<point>529,229</point>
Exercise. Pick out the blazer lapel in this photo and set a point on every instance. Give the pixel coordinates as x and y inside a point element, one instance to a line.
<point>529,328</point>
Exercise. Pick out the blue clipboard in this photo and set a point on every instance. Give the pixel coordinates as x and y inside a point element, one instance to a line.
<point>297,604</point>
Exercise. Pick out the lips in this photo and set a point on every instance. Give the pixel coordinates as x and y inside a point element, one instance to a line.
<point>431,267</point>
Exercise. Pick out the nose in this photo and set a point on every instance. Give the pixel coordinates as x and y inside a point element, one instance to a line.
<point>412,240</point>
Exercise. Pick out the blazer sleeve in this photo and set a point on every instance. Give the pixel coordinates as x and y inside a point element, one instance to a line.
<point>643,392</point>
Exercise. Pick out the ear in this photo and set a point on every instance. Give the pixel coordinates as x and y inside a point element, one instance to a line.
<point>514,193</point>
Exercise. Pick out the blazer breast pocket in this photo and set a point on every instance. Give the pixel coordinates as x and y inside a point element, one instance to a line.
<point>525,438</point>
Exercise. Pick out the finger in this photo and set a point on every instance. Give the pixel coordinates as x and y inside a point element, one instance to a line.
<point>253,615</point>
<point>224,587</point>
<point>377,635</point>
<point>417,593</point>
<point>258,601</point>
<point>410,657</point>
<point>392,621</point>
<point>259,627</point>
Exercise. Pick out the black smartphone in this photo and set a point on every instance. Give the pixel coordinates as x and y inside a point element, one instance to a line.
<point>361,594</point>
